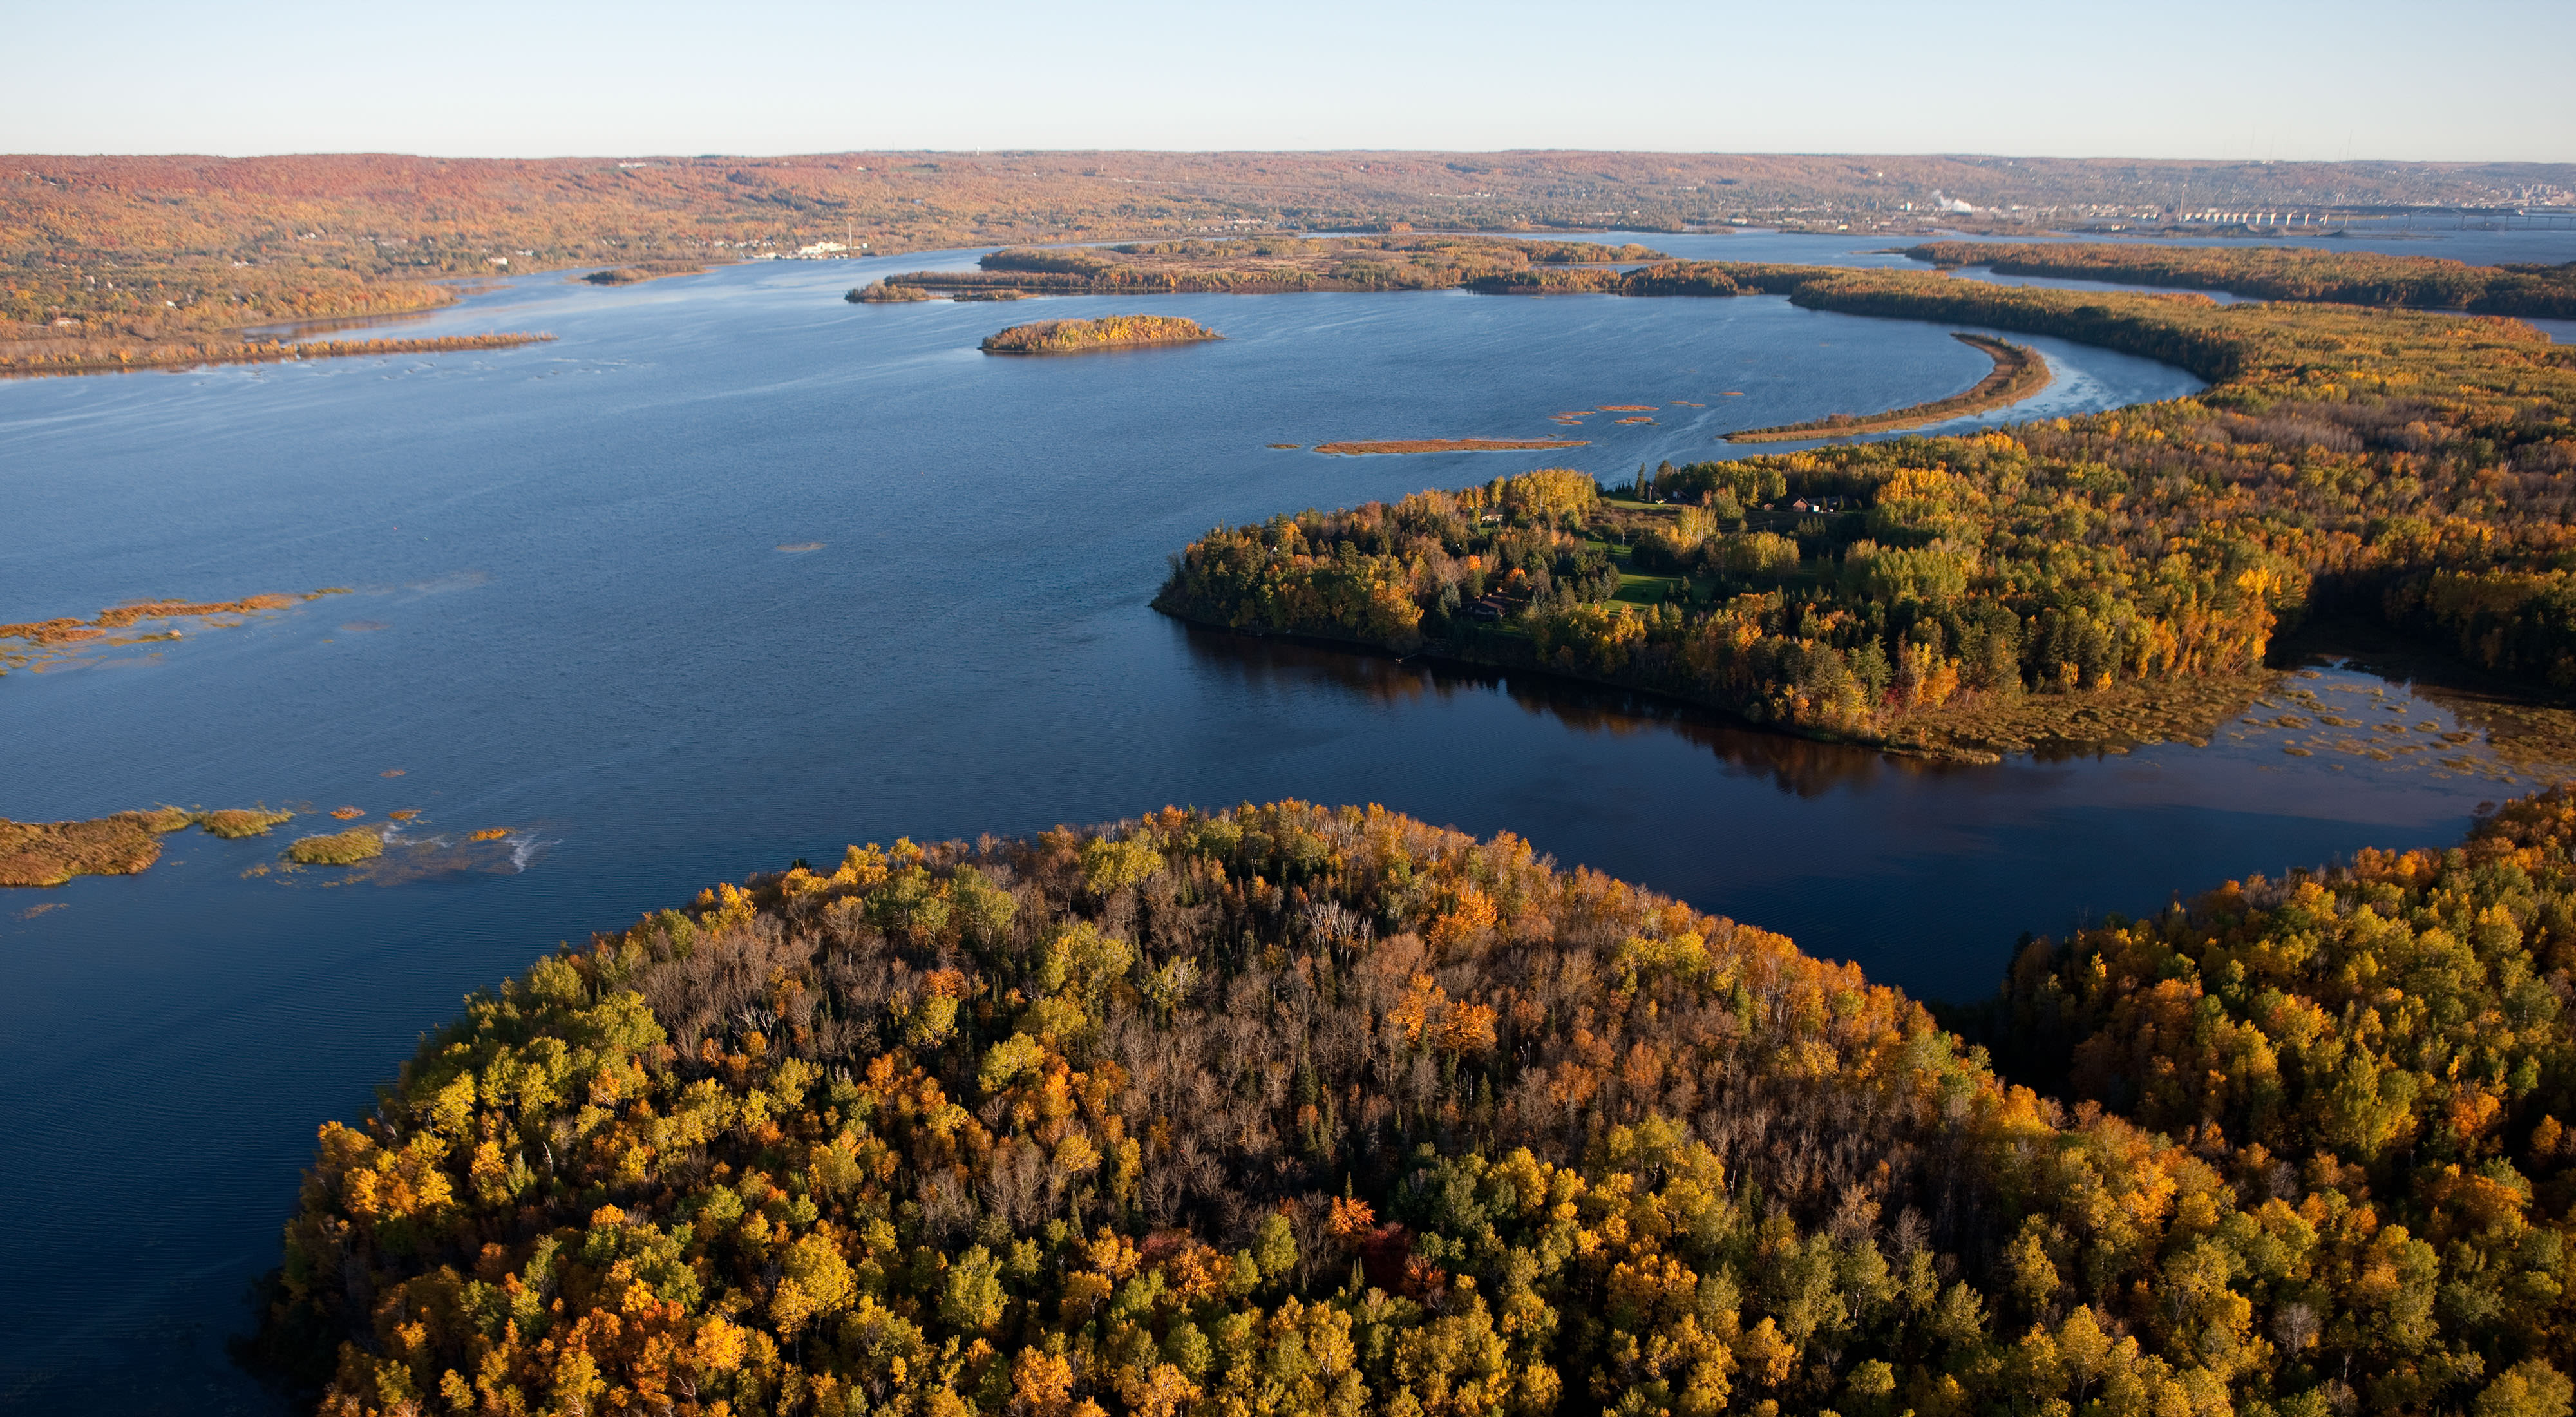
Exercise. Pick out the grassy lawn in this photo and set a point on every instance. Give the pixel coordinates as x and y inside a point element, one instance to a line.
<point>1646,590</point>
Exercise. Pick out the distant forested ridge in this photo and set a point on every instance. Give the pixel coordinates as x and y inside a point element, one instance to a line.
<point>1296,1110</point>
<point>194,249</point>
<point>1968,593</point>
<point>2286,273</point>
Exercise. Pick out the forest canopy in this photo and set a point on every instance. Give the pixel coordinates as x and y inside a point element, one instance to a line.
<point>1288,1109</point>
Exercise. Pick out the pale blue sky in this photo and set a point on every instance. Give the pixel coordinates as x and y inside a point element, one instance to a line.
<point>2469,79</point>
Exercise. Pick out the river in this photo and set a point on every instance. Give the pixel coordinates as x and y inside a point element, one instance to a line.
<point>734,573</point>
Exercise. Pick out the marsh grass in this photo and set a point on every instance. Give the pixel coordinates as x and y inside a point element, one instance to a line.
<point>346,848</point>
<point>40,854</point>
<point>234,823</point>
<point>2121,715</point>
<point>1449,445</point>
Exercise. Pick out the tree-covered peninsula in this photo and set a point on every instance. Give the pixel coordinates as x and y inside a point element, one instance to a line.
<point>1108,332</point>
<point>1296,1110</point>
<point>2285,273</point>
<point>2100,578</point>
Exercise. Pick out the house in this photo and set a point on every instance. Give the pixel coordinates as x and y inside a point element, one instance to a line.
<point>1489,607</point>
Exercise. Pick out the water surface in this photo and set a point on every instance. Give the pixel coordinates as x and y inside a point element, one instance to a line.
<point>734,573</point>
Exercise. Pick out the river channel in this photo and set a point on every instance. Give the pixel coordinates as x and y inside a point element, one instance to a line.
<point>734,573</point>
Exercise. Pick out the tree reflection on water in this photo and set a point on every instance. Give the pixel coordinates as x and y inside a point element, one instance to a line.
<point>1801,767</point>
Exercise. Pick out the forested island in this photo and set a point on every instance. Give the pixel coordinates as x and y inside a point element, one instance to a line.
<point>1290,1109</point>
<point>1108,332</point>
<point>1252,265</point>
<point>2105,579</point>
<point>2019,372</point>
<point>633,275</point>
<point>90,354</point>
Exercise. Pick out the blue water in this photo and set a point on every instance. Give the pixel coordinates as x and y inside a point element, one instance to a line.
<point>576,615</point>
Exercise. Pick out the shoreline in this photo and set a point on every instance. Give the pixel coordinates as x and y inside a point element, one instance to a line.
<point>2020,373</point>
<point>1443,652</point>
<point>2005,714</point>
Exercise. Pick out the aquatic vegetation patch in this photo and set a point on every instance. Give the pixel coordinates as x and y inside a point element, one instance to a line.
<point>37,854</point>
<point>65,635</point>
<point>1448,445</point>
<point>234,823</point>
<point>404,860</point>
<point>338,849</point>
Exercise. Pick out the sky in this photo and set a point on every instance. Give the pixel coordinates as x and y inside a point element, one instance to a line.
<point>2467,80</point>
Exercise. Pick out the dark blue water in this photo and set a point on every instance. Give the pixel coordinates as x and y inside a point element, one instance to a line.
<point>574,616</point>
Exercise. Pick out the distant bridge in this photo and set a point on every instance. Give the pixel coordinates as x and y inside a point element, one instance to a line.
<point>2430,218</point>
